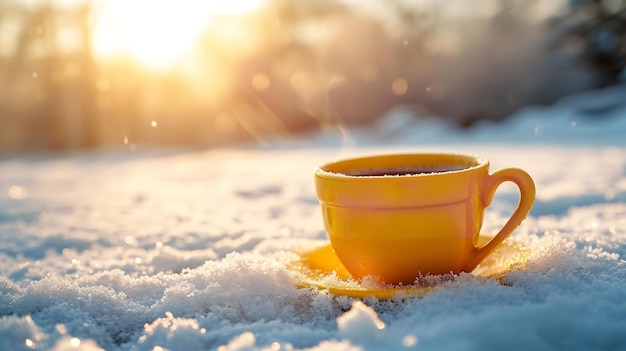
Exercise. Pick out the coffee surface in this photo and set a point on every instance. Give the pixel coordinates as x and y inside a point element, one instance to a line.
<point>403,171</point>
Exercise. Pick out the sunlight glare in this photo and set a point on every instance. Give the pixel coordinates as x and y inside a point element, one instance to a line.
<point>157,33</point>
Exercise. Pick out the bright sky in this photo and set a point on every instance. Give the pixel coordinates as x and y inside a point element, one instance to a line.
<point>157,33</point>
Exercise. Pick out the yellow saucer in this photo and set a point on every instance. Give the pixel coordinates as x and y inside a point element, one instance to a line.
<point>320,268</point>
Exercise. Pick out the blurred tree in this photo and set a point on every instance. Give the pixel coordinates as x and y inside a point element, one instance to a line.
<point>88,83</point>
<point>50,78</point>
<point>596,30</point>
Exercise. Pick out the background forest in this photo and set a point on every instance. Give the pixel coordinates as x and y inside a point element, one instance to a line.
<point>128,74</point>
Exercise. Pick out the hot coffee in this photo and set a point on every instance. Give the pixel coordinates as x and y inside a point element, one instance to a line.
<point>403,171</point>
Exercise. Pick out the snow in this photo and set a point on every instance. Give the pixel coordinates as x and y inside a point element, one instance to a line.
<point>188,250</point>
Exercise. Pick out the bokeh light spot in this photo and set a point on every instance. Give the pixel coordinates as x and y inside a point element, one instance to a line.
<point>400,86</point>
<point>17,192</point>
<point>409,340</point>
<point>130,240</point>
<point>75,342</point>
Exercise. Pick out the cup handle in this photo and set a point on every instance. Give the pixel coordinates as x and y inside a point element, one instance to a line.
<point>527,196</point>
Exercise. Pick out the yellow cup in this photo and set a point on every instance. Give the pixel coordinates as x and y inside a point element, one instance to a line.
<point>400,216</point>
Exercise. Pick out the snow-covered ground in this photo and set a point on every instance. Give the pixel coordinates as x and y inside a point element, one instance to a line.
<point>190,250</point>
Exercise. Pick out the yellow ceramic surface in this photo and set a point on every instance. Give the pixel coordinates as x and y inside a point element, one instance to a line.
<point>398,227</point>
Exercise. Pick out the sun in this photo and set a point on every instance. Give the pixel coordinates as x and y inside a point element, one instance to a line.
<point>157,33</point>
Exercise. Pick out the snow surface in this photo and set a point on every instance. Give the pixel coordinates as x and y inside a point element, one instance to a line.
<point>189,250</point>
